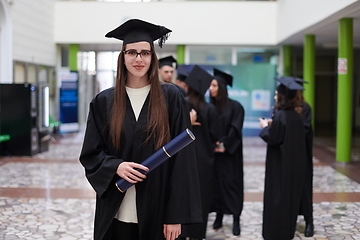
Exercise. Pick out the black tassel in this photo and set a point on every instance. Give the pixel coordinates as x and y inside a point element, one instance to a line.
<point>164,37</point>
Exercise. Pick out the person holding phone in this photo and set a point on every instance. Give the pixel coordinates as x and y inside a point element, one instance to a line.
<point>285,164</point>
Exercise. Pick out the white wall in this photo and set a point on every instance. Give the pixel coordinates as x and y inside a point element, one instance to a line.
<point>38,25</point>
<point>33,31</point>
<point>6,66</point>
<point>220,23</point>
<point>297,15</point>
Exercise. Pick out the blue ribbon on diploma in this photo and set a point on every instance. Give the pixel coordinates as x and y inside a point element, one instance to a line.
<point>160,156</point>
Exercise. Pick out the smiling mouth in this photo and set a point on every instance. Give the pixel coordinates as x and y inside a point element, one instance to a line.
<point>138,67</point>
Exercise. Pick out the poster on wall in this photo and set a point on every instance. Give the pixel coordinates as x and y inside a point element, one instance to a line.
<point>253,86</point>
<point>69,101</point>
<point>342,66</point>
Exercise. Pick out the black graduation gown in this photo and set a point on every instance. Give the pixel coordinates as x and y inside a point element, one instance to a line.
<point>183,92</point>
<point>229,173</point>
<point>169,194</point>
<point>206,136</point>
<point>284,174</point>
<point>306,207</point>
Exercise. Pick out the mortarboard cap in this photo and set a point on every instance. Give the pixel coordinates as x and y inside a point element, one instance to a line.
<point>223,77</point>
<point>135,30</point>
<point>167,61</point>
<point>289,83</point>
<point>299,80</point>
<point>199,79</point>
<point>288,87</point>
<point>182,75</point>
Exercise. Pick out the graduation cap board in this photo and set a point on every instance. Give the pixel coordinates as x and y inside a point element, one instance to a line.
<point>136,30</point>
<point>288,87</point>
<point>223,77</point>
<point>290,83</point>
<point>299,80</point>
<point>199,79</point>
<point>167,61</point>
<point>182,75</point>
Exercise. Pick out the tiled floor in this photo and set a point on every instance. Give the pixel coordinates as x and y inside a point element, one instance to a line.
<point>47,196</point>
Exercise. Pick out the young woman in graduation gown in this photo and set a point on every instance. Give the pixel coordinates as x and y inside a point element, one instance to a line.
<point>205,128</point>
<point>229,173</point>
<point>285,166</point>
<point>127,124</point>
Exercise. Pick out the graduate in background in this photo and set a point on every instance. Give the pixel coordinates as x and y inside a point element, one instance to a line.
<point>127,124</point>
<point>306,206</point>
<point>205,128</point>
<point>180,79</point>
<point>167,69</point>
<point>167,66</point>
<point>229,174</point>
<point>285,164</point>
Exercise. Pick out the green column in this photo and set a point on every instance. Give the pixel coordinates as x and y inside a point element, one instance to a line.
<point>309,72</point>
<point>180,54</point>
<point>344,101</point>
<point>287,60</point>
<point>73,50</point>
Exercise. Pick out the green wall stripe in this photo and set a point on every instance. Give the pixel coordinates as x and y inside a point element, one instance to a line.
<point>73,50</point>
<point>180,54</point>
<point>309,72</point>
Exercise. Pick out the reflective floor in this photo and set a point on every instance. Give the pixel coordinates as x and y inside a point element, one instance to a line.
<point>47,196</point>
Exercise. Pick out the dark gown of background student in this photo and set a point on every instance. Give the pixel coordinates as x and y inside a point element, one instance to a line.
<point>183,92</point>
<point>284,175</point>
<point>177,186</point>
<point>229,173</point>
<point>171,61</point>
<point>206,136</point>
<point>306,207</point>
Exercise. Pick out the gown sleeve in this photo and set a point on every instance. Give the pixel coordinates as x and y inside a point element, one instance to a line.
<point>275,133</point>
<point>184,205</point>
<point>213,120</point>
<point>233,138</point>
<point>100,167</point>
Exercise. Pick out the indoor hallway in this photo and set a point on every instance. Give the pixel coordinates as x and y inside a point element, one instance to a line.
<point>48,197</point>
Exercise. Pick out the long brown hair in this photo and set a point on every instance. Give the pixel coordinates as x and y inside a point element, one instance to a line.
<point>222,97</point>
<point>158,122</point>
<point>283,102</point>
<point>300,97</point>
<point>195,99</point>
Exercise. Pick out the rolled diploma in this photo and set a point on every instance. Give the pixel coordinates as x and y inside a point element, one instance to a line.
<point>160,156</point>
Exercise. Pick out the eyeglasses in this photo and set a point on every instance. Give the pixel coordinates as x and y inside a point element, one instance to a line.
<point>132,54</point>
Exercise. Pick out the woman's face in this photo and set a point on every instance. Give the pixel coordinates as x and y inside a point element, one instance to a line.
<point>275,97</point>
<point>214,88</point>
<point>137,64</point>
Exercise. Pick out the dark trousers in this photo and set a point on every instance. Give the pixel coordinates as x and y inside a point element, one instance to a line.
<point>122,231</point>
